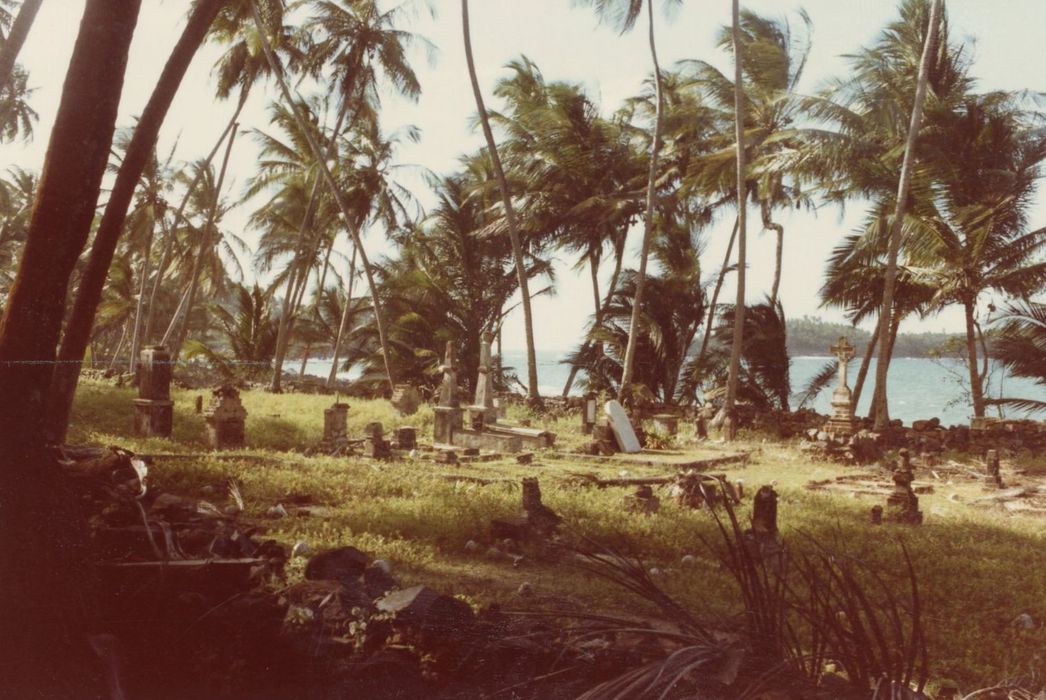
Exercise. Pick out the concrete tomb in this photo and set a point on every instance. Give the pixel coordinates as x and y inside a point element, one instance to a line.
<point>153,409</point>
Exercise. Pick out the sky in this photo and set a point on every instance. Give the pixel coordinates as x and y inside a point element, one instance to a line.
<point>567,43</point>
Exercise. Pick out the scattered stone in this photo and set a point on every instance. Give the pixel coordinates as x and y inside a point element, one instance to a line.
<point>689,561</point>
<point>300,549</point>
<point>525,458</point>
<point>378,579</point>
<point>425,608</point>
<point>226,419</point>
<point>276,511</point>
<point>472,546</point>
<point>344,564</point>
<point>643,501</point>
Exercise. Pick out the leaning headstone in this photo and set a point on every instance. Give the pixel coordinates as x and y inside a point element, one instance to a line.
<point>622,427</point>
<point>335,428</point>
<point>226,419</point>
<point>153,409</point>
<point>406,399</point>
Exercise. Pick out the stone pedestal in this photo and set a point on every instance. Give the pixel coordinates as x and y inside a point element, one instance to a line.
<point>484,398</point>
<point>226,419</point>
<point>666,424</point>
<point>153,418</point>
<point>374,443</point>
<point>335,428</point>
<point>902,506</point>
<point>447,420</point>
<point>406,437</point>
<point>153,409</point>
<point>992,475</point>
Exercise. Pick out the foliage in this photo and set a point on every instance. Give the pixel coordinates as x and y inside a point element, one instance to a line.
<point>248,336</point>
<point>1020,344</point>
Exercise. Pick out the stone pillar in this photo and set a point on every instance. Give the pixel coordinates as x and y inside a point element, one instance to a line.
<point>991,465</point>
<point>903,505</point>
<point>335,428</point>
<point>448,416</point>
<point>153,409</point>
<point>226,419</point>
<point>484,399</point>
<point>842,421</point>
<point>588,413</point>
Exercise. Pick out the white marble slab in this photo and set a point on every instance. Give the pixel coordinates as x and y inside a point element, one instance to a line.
<point>622,427</point>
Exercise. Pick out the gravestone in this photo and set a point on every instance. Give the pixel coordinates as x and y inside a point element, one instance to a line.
<point>226,419</point>
<point>448,415</point>
<point>406,399</point>
<point>406,437</point>
<point>902,506</point>
<point>842,421</point>
<point>374,442</point>
<point>643,501</point>
<point>588,413</point>
<point>991,463</point>
<point>666,423</point>
<point>153,409</point>
<point>335,428</point>
<point>624,433</point>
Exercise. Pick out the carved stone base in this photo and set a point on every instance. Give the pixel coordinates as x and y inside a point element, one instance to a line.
<point>153,418</point>
<point>447,421</point>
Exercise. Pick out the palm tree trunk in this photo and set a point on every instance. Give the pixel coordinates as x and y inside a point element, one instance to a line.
<point>49,601</point>
<point>343,324</point>
<point>895,326</point>
<point>778,229</point>
<point>139,307</point>
<point>16,39</point>
<point>903,187</point>
<point>379,317</point>
<point>197,267</point>
<point>715,294</point>
<point>284,331</point>
<point>143,142</point>
<point>976,386</point>
<point>168,247</point>
<point>734,372</point>
<point>866,362</point>
<point>304,359</point>
<point>510,213</point>
<point>119,347</point>
<point>648,220</point>
<point>601,309</point>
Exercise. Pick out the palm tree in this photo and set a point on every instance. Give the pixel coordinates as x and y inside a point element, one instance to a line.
<point>734,371</point>
<point>16,203</point>
<point>139,150</point>
<point>969,236</point>
<point>1020,344</point>
<point>626,12</point>
<point>903,187</point>
<point>16,116</point>
<point>12,45</point>
<point>510,213</point>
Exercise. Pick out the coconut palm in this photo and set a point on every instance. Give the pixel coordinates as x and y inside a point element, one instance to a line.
<point>16,201</point>
<point>624,14</point>
<point>16,116</point>
<point>17,30</point>
<point>509,212</point>
<point>971,236</point>
<point>248,334</point>
<point>1020,344</point>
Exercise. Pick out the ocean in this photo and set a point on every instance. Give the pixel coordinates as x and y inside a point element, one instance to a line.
<point>918,387</point>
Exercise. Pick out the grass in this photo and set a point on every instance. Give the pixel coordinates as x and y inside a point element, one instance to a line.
<point>979,569</point>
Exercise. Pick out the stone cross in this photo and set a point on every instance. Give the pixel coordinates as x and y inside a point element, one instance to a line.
<point>844,352</point>
<point>842,420</point>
